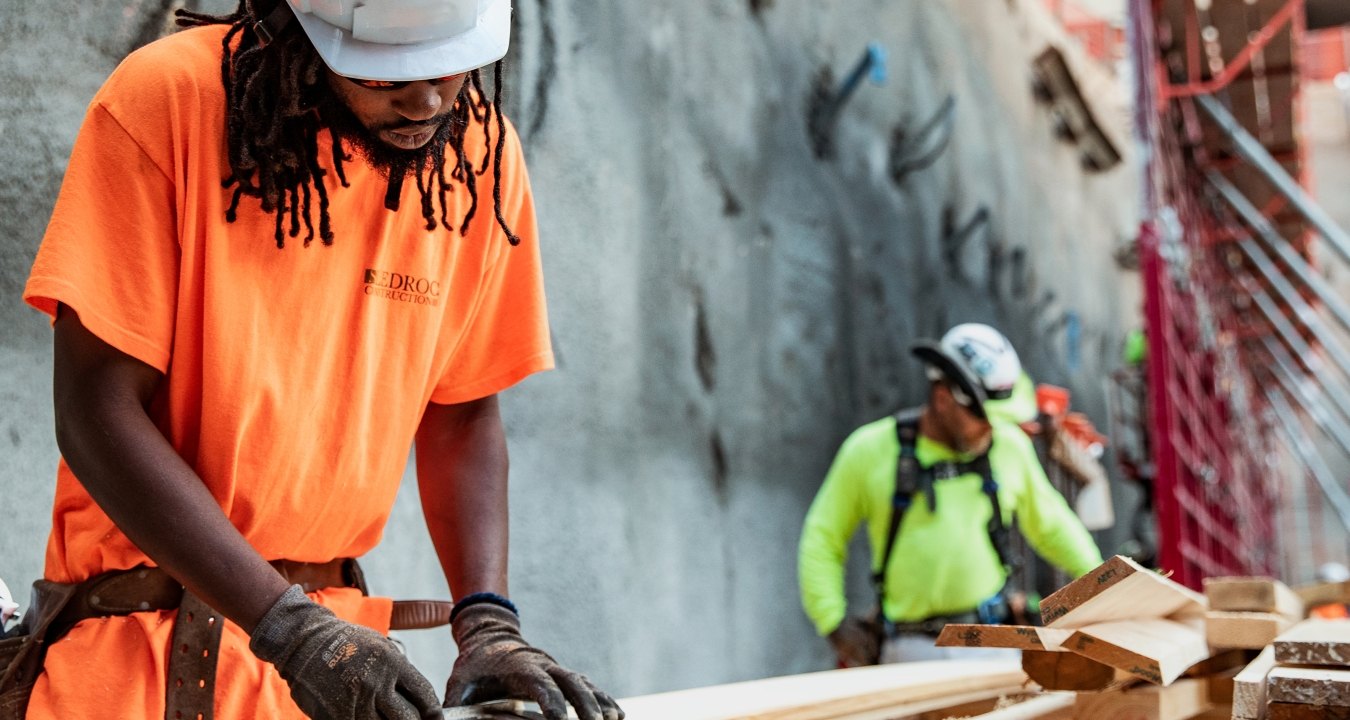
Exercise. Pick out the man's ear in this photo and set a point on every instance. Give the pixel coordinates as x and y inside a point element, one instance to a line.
<point>940,397</point>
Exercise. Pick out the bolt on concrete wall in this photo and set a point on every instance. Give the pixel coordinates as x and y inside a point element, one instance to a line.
<point>726,306</point>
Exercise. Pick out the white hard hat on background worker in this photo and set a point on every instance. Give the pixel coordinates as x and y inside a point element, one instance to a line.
<point>985,367</point>
<point>401,40</point>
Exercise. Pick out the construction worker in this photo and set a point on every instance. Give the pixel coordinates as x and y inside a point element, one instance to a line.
<point>235,403</point>
<point>938,486</point>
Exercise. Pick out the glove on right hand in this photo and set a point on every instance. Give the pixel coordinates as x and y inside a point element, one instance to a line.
<point>857,642</point>
<point>337,670</point>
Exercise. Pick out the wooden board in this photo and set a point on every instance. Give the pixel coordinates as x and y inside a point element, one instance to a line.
<point>1228,662</point>
<point>1017,637</point>
<point>1308,685</point>
<point>1057,670</point>
<point>1038,707</point>
<point>1315,642</point>
<point>1295,711</point>
<point>1158,651</point>
<point>1184,699</point>
<point>1119,589</point>
<point>1323,593</point>
<point>1253,594</point>
<point>1245,630</point>
<point>834,693</point>
<point>952,706</point>
<point>1249,687</point>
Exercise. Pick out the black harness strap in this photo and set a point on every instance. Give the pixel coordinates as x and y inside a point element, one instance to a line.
<point>911,478</point>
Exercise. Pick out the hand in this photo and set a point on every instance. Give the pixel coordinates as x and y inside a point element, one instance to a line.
<point>857,642</point>
<point>337,670</point>
<point>496,663</point>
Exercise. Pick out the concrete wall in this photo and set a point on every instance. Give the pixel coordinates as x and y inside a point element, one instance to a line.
<point>726,307</point>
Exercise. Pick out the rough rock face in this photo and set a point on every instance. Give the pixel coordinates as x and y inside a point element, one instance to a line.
<point>727,304</point>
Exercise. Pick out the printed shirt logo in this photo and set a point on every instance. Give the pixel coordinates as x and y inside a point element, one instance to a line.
<point>402,287</point>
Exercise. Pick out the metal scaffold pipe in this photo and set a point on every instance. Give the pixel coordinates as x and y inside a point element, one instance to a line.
<point>1277,243</point>
<point>1295,341</point>
<point>1255,153</point>
<point>1289,378</point>
<point>1317,467</point>
<point>1267,268</point>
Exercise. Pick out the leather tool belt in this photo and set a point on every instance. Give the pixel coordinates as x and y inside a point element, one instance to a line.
<point>190,681</point>
<point>929,626</point>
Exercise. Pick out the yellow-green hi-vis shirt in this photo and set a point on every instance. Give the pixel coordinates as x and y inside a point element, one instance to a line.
<point>943,562</point>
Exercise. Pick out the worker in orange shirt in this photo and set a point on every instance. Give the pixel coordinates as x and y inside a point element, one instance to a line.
<point>290,240</point>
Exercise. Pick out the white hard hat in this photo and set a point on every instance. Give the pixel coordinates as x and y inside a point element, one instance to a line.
<point>1333,572</point>
<point>978,358</point>
<point>400,40</point>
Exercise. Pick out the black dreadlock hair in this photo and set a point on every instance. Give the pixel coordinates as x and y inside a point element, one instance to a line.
<point>273,94</point>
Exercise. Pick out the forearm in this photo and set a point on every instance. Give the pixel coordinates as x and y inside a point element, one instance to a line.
<point>144,486</point>
<point>462,470</point>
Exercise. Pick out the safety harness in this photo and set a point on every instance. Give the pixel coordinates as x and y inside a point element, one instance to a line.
<point>911,478</point>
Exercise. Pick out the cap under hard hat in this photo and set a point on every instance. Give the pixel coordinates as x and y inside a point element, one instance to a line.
<point>401,40</point>
<point>982,363</point>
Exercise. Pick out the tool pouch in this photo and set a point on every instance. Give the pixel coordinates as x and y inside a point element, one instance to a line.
<point>22,651</point>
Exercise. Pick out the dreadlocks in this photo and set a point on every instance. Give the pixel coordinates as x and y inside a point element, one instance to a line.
<point>275,97</point>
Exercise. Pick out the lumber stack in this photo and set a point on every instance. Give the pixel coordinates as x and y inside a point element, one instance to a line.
<point>1248,612</point>
<point>1128,643</point>
<point>1304,674</point>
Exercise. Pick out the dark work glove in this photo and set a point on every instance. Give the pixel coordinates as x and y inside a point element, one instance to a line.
<point>337,670</point>
<point>857,642</point>
<point>496,663</point>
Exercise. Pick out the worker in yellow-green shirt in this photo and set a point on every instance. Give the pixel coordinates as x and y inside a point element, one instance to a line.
<point>938,487</point>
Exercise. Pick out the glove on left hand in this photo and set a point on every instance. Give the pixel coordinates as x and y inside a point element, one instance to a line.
<point>495,663</point>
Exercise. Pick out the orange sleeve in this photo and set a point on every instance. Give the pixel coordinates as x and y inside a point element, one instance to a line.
<point>111,251</point>
<point>506,337</point>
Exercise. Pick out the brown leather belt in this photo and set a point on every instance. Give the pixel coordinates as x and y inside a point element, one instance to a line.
<point>190,681</point>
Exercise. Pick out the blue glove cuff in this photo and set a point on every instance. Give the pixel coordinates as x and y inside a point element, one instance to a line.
<point>483,597</point>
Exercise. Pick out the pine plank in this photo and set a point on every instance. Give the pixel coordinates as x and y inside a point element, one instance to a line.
<point>1253,594</point>
<point>1119,589</point>
<point>835,693</point>
<point>1179,701</point>
<point>1017,637</point>
<point>1249,687</point>
<point>1245,630</point>
<point>1158,651</point>
<point>1308,685</point>
<point>1315,642</point>
<point>1323,593</point>
<point>1038,707</point>
<point>1057,670</point>
<point>952,706</point>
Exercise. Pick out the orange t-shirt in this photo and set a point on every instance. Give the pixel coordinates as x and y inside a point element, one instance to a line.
<point>294,379</point>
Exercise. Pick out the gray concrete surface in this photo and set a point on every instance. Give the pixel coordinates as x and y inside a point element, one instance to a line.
<point>726,306</point>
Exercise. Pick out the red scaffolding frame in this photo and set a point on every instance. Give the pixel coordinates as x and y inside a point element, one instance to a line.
<point>1215,503</point>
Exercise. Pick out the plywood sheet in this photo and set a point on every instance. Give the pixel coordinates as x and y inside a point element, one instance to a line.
<point>1315,642</point>
<point>1119,589</point>
<point>1252,594</point>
